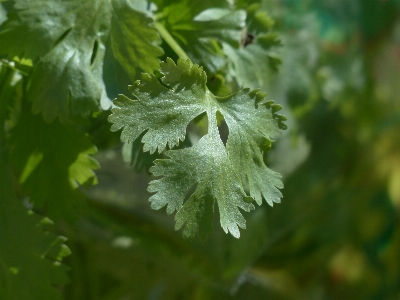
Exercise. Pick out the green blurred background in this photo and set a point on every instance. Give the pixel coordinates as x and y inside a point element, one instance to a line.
<point>336,234</point>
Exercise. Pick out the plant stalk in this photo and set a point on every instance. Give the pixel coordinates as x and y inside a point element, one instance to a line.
<point>167,37</point>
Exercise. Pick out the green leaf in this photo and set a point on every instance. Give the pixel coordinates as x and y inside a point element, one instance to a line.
<point>53,160</point>
<point>134,48</point>
<point>257,58</point>
<point>216,173</point>
<point>200,27</point>
<point>67,40</point>
<point>133,154</point>
<point>8,82</point>
<point>30,259</point>
<point>255,63</point>
<point>3,14</point>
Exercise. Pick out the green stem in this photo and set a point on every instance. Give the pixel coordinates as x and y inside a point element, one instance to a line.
<point>170,40</point>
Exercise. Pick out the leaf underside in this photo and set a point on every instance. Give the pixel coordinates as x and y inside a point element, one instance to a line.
<point>216,173</point>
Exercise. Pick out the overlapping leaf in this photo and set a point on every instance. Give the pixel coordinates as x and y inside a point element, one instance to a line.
<point>30,259</point>
<point>134,41</point>
<point>200,27</point>
<point>67,39</point>
<point>53,161</point>
<point>216,173</point>
<point>257,57</point>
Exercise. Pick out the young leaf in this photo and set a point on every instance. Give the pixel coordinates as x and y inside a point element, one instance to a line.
<point>216,173</point>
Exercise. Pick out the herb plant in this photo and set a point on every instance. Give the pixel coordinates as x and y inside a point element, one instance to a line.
<point>63,63</point>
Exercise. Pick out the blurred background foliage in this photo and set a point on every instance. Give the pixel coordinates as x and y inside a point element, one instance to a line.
<point>335,69</point>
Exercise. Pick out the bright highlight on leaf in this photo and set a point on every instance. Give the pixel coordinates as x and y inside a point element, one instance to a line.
<point>67,41</point>
<point>215,173</point>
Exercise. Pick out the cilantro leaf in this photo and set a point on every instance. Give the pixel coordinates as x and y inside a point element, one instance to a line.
<point>133,39</point>
<point>53,160</point>
<point>201,27</point>
<point>67,40</point>
<point>253,64</point>
<point>29,257</point>
<point>257,57</point>
<point>216,173</point>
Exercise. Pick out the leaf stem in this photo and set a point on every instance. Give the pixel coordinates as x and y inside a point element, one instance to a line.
<point>170,40</point>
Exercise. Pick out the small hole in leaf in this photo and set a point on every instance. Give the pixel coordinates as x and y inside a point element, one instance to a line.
<point>197,128</point>
<point>200,118</point>
<point>94,53</point>
<point>247,186</point>
<point>222,128</point>
<point>62,37</point>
